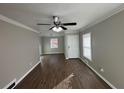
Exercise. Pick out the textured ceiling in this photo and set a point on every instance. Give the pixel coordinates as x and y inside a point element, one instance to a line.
<point>31,14</point>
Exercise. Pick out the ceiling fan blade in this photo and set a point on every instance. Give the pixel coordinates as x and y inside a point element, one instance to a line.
<point>43,24</point>
<point>69,24</point>
<point>64,28</point>
<point>51,28</point>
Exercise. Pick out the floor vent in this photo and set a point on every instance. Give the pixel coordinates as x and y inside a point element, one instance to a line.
<point>11,85</point>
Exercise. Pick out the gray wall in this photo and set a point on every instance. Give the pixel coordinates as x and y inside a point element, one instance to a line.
<point>19,51</point>
<point>46,45</point>
<point>108,48</point>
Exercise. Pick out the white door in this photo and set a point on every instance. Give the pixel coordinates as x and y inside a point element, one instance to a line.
<point>73,46</point>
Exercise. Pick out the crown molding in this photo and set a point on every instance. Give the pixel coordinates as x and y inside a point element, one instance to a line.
<point>11,21</point>
<point>115,11</point>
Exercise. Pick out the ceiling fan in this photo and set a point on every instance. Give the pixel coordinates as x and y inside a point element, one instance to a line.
<point>58,26</point>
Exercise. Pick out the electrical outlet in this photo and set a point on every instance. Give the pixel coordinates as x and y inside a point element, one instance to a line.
<point>30,64</point>
<point>101,70</point>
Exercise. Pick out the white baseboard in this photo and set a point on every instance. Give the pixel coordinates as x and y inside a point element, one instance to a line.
<point>26,74</point>
<point>72,58</point>
<point>67,58</point>
<point>53,53</point>
<point>21,77</point>
<point>10,84</point>
<point>111,85</point>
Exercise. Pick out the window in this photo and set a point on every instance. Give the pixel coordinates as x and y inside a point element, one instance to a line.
<point>54,43</point>
<point>87,46</point>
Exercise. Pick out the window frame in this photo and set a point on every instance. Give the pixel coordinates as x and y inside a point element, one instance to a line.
<point>51,43</point>
<point>84,47</point>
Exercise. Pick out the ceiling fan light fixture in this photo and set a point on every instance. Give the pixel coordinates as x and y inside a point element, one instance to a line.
<point>57,29</point>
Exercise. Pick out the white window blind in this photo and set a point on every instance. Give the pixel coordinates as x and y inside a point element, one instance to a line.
<point>54,43</point>
<point>87,46</point>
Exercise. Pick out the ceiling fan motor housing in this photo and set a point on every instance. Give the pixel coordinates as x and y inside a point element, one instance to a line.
<point>56,20</point>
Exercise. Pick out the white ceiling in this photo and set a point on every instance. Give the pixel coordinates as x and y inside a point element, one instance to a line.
<point>82,13</point>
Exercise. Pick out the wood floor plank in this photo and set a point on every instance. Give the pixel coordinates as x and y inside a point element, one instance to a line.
<point>54,69</point>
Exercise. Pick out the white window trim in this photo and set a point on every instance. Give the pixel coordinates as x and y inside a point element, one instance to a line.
<point>51,46</point>
<point>89,59</point>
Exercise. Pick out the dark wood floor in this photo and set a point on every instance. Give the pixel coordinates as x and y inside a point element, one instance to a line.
<point>54,69</point>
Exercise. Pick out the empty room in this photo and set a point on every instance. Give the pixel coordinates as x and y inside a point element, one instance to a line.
<point>61,45</point>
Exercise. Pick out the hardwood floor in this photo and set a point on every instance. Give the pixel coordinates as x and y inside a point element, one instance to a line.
<point>55,69</point>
